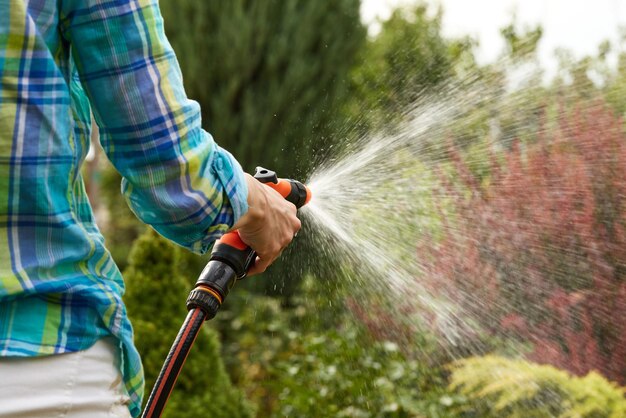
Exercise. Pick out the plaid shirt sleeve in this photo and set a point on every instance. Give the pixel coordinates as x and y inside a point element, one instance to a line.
<point>175,177</point>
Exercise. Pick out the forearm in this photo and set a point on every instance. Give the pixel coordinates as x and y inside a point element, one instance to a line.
<point>191,203</point>
<point>175,177</point>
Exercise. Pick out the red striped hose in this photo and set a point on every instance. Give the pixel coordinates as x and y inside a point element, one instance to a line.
<point>174,363</point>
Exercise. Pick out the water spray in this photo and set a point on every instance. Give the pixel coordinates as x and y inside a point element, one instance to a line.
<point>230,261</point>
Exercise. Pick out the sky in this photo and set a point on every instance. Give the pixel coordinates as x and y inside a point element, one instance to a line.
<point>578,25</point>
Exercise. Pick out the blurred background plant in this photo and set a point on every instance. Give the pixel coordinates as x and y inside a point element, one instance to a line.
<point>286,84</point>
<point>494,386</point>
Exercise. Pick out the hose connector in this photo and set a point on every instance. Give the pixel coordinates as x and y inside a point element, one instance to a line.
<point>212,287</point>
<point>202,298</point>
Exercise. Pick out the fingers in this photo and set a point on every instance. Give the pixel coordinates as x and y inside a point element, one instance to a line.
<point>296,225</point>
<point>261,264</point>
<point>264,261</point>
<point>269,226</point>
<point>257,268</point>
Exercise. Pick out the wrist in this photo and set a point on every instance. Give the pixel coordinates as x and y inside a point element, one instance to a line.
<point>257,202</point>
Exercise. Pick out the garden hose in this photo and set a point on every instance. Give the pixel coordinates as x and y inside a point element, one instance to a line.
<point>230,261</point>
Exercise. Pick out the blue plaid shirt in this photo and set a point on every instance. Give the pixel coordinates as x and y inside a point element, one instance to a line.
<point>60,62</point>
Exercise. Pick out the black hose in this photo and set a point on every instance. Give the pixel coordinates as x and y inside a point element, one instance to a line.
<point>173,364</point>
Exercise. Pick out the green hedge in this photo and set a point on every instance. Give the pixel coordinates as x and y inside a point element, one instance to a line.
<point>499,387</point>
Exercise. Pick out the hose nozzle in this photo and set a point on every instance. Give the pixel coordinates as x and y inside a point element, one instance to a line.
<point>231,257</point>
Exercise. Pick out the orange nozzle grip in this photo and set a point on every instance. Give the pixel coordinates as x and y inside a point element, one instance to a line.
<point>293,191</point>
<point>234,240</point>
<point>283,187</point>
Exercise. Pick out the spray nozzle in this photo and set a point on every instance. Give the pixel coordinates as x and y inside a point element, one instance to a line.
<point>231,257</point>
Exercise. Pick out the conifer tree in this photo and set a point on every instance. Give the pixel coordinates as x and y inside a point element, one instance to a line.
<point>269,75</point>
<point>155,297</point>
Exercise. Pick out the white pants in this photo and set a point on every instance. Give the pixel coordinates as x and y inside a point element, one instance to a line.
<point>86,384</point>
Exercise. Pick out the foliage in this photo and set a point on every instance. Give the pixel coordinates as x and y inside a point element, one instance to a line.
<point>407,58</point>
<point>521,44</point>
<point>614,82</point>
<point>313,360</point>
<point>269,75</point>
<point>511,93</point>
<point>540,254</point>
<point>156,294</point>
<point>504,388</point>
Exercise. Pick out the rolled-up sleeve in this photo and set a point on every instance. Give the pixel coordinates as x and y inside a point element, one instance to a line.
<point>175,177</point>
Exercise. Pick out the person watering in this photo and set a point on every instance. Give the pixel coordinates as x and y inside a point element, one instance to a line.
<point>66,344</point>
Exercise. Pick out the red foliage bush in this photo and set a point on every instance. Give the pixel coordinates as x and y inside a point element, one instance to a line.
<point>539,250</point>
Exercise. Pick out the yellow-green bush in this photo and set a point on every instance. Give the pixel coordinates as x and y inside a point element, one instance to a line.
<point>500,387</point>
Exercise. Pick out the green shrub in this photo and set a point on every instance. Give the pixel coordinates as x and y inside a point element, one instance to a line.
<point>156,294</point>
<point>313,359</point>
<point>500,387</point>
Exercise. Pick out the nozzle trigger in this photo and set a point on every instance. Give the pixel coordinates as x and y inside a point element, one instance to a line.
<point>265,176</point>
